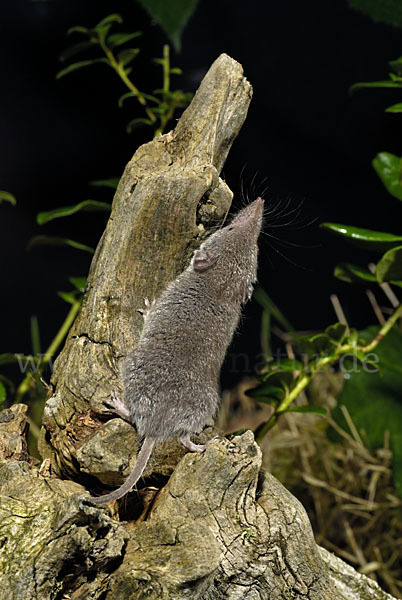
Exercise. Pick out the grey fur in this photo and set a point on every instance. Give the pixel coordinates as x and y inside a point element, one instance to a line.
<point>171,380</point>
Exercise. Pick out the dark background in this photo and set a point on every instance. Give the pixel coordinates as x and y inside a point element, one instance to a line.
<point>310,140</point>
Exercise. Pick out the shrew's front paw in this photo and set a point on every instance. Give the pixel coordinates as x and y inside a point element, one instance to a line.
<point>118,406</point>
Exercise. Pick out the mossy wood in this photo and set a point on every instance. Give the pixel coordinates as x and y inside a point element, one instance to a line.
<point>218,528</point>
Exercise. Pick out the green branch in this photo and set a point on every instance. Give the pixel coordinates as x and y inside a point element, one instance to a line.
<point>158,114</point>
<point>383,331</point>
<point>26,383</point>
<point>305,378</point>
<point>119,69</point>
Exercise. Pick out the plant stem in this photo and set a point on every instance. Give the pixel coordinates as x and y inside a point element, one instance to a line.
<point>166,87</point>
<point>263,429</point>
<point>61,334</point>
<point>125,79</point>
<point>305,379</point>
<point>166,69</point>
<point>33,428</point>
<point>384,330</point>
<point>25,384</point>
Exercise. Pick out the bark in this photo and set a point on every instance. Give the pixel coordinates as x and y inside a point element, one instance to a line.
<point>218,527</point>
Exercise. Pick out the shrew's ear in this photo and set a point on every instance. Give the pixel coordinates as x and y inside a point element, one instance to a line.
<point>203,260</point>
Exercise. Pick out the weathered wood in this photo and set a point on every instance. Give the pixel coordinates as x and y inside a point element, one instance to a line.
<point>169,195</point>
<point>220,529</point>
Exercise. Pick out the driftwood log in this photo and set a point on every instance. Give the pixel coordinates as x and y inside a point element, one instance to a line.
<point>209,527</point>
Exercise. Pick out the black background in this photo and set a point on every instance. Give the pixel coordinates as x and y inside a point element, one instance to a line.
<point>310,140</point>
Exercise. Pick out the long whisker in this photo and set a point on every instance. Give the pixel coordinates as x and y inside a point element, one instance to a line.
<point>286,243</point>
<point>273,224</point>
<point>288,259</point>
<point>242,192</point>
<point>282,211</point>
<point>284,215</point>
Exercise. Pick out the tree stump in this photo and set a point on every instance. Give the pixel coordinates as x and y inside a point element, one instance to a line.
<point>220,529</point>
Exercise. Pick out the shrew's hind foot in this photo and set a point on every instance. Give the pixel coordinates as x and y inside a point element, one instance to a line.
<point>189,445</point>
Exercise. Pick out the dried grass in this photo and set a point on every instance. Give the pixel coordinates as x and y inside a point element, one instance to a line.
<point>346,487</point>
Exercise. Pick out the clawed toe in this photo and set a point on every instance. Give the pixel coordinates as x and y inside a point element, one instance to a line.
<point>145,311</point>
<point>118,406</point>
<point>217,438</point>
<point>189,445</point>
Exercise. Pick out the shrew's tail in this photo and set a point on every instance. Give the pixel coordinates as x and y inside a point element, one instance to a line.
<point>142,459</point>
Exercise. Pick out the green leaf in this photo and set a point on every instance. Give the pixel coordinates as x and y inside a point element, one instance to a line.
<point>3,393</point>
<point>70,297</point>
<point>395,108</point>
<point>101,33</point>
<point>177,97</point>
<point>126,56</point>
<point>366,238</point>
<point>35,336</point>
<point>311,409</point>
<point>353,336</point>
<point>396,65</point>
<point>161,109</point>
<point>77,29</point>
<point>75,49</point>
<point>386,12</point>
<point>9,358</point>
<point>389,268</point>
<point>289,364</point>
<point>109,20</point>
<point>261,296</point>
<point>136,122</point>
<point>48,240</point>
<point>267,393</point>
<point>374,84</point>
<point>314,345</point>
<point>136,95</point>
<point>79,283</point>
<point>336,332</point>
<point>279,378</point>
<point>113,182</point>
<point>118,39</point>
<point>7,197</point>
<point>374,400</point>
<point>125,96</point>
<point>362,357</point>
<point>79,65</point>
<point>8,384</point>
<point>238,432</point>
<point>275,386</point>
<point>389,169</point>
<point>175,71</point>
<point>66,211</point>
<point>172,16</point>
<point>353,273</point>
<point>265,333</point>
<point>150,97</point>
